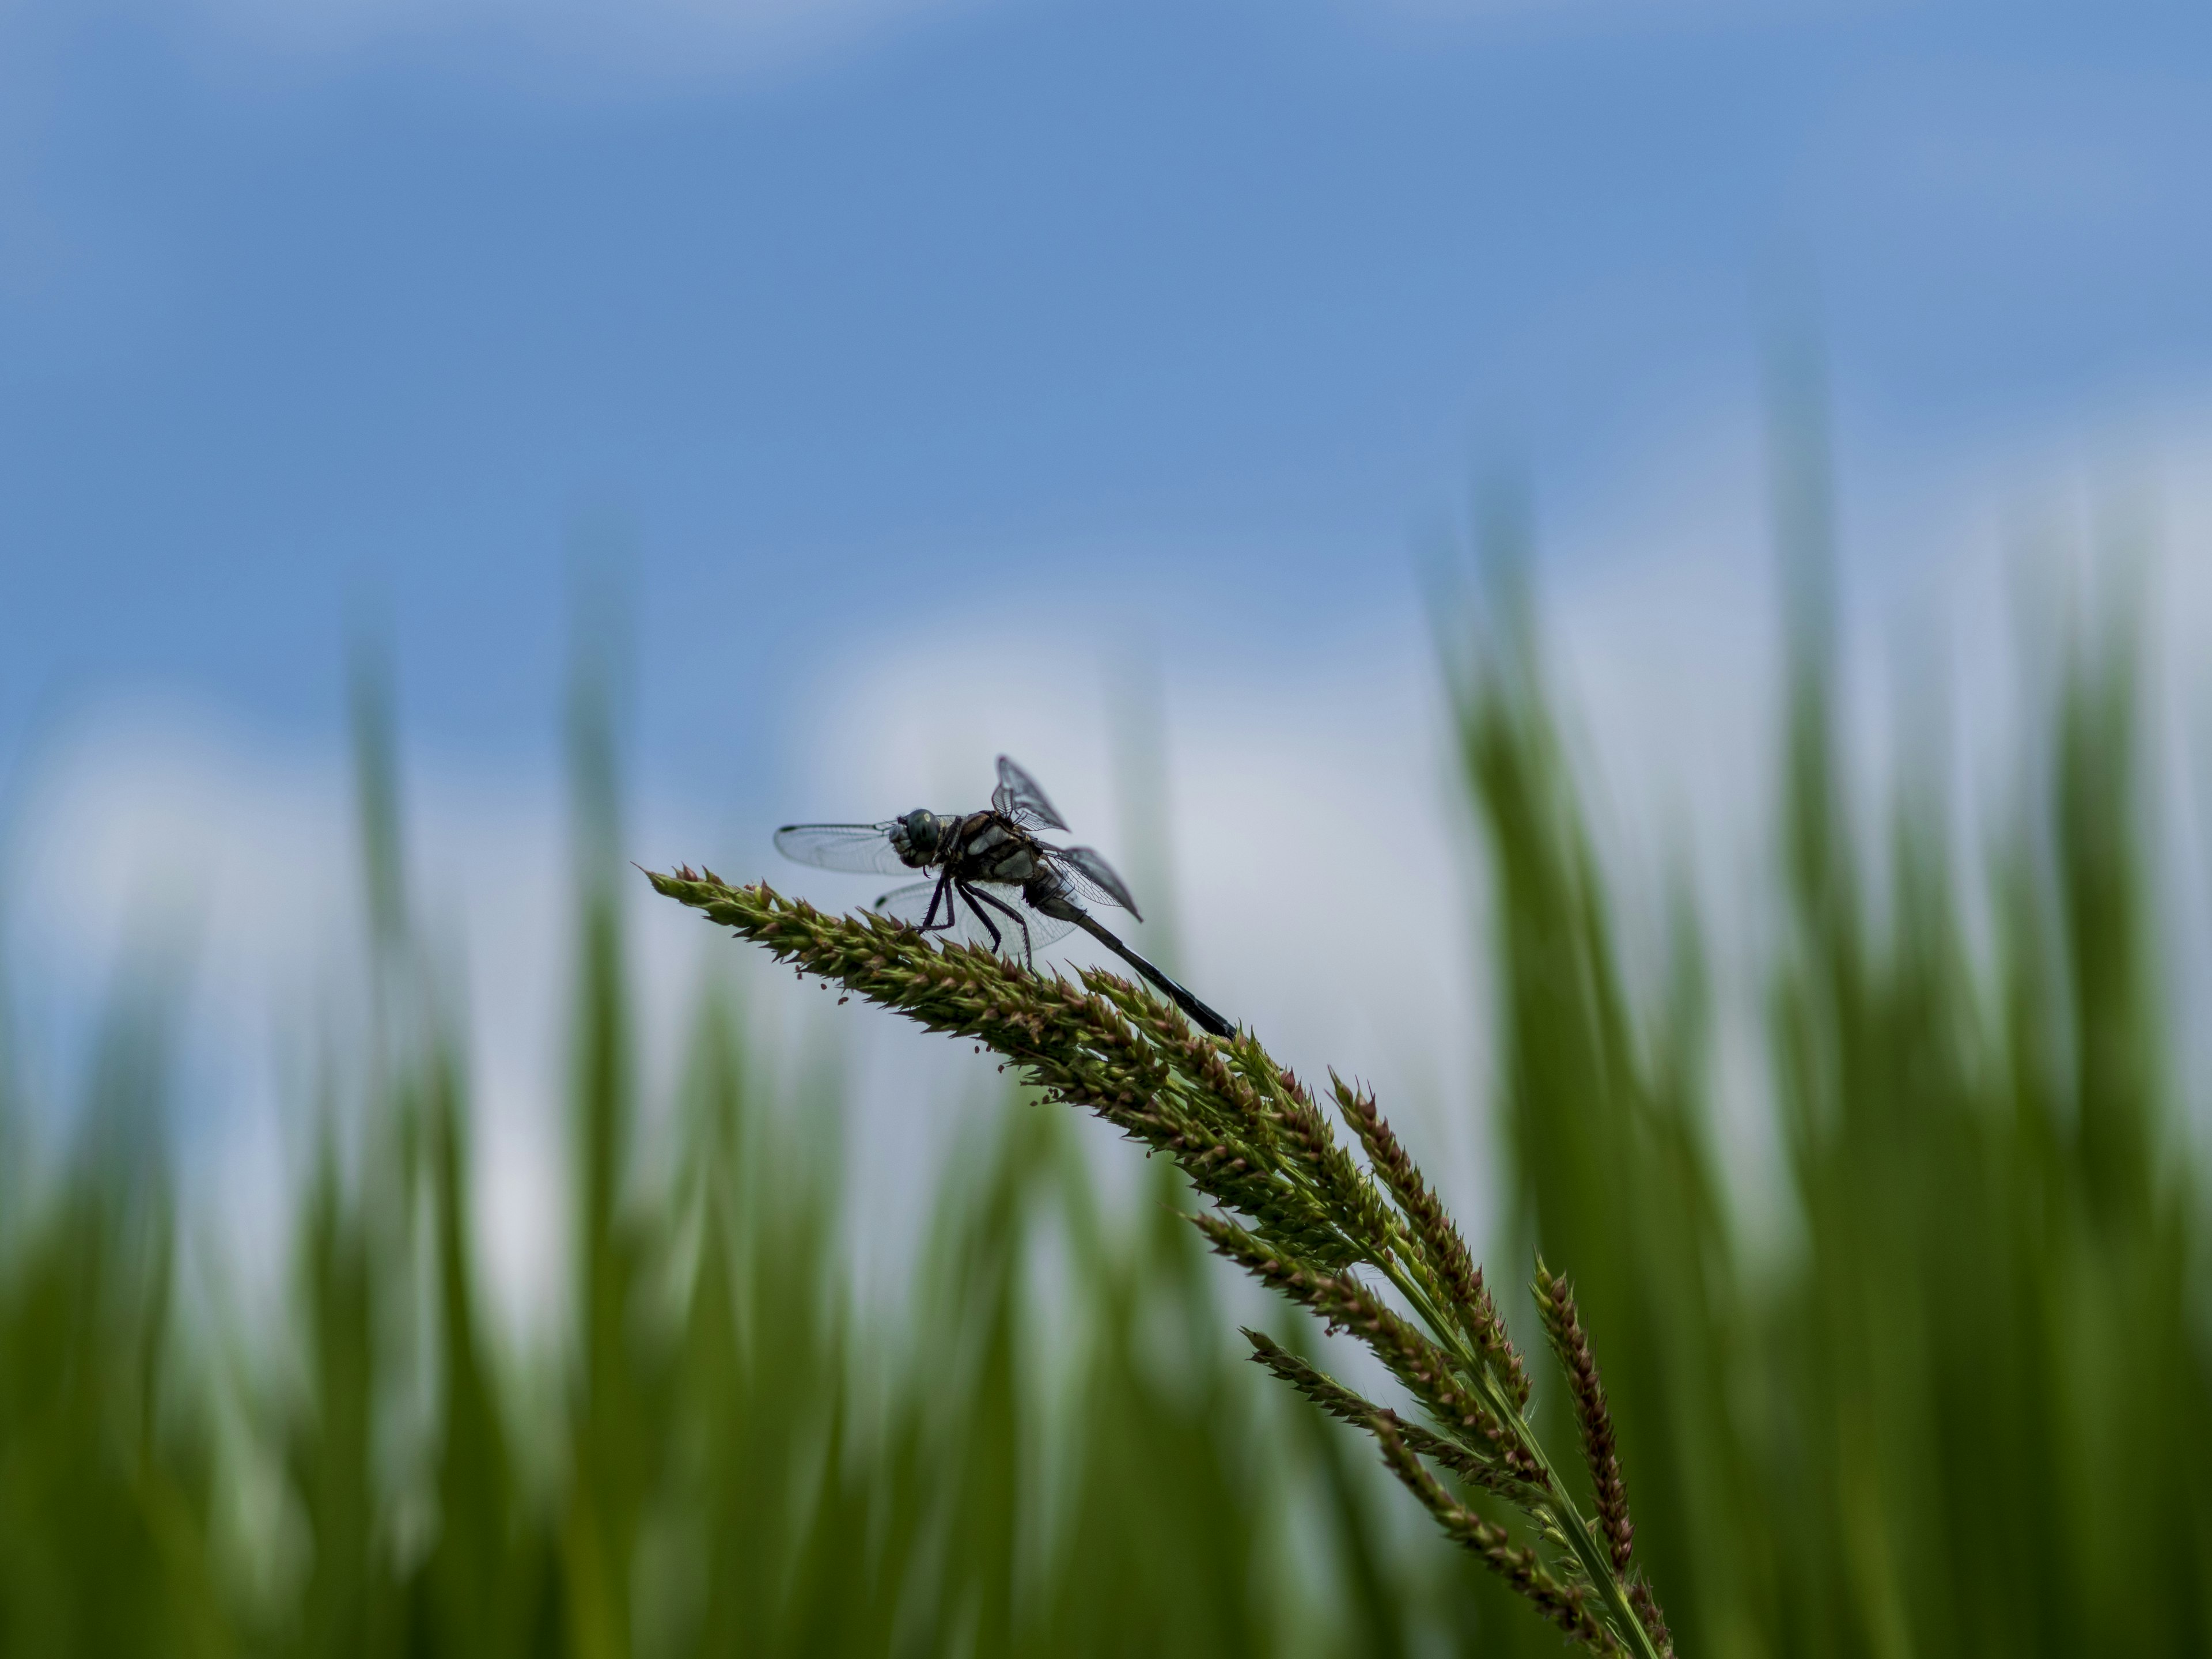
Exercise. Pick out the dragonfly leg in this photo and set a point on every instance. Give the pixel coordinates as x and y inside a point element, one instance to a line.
<point>1029,959</point>
<point>975,903</point>
<point>929,921</point>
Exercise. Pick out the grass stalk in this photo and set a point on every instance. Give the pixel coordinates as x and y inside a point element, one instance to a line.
<point>1295,1210</point>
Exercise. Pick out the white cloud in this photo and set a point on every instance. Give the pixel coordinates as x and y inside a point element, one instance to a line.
<point>160,835</point>
<point>1322,887</point>
<point>1322,901</point>
<point>1318,896</point>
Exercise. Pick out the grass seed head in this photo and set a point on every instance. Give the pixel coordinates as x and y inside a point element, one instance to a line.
<point>1294,1210</point>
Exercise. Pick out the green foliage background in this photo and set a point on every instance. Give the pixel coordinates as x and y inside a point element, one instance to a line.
<point>1959,1407</point>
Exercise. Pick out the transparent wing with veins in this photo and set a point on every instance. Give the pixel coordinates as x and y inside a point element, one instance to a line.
<point>865,848</point>
<point>1020,797</point>
<point>1088,876</point>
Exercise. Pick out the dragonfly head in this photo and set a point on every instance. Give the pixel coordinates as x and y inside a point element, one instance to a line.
<point>915,837</point>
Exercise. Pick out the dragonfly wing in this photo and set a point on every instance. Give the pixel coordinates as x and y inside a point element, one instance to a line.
<point>1094,879</point>
<point>865,847</point>
<point>1035,928</point>
<point>908,904</point>
<point>1018,797</point>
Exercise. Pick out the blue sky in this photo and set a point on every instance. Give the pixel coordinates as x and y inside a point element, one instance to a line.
<point>830,323</point>
<point>878,342</point>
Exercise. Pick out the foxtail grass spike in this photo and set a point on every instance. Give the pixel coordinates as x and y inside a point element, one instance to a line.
<point>1555,1299</point>
<point>1445,1253</point>
<point>1566,1604</point>
<point>1347,1406</point>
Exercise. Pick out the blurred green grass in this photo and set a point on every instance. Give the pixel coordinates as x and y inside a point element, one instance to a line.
<point>1960,1407</point>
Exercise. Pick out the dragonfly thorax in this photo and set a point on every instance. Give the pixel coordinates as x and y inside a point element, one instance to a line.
<point>991,850</point>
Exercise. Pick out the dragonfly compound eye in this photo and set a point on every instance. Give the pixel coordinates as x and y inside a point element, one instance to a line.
<point>922,831</point>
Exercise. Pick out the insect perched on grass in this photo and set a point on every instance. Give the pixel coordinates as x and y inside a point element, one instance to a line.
<point>1018,892</point>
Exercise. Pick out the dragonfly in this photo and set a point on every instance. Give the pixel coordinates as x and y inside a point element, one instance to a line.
<point>991,880</point>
